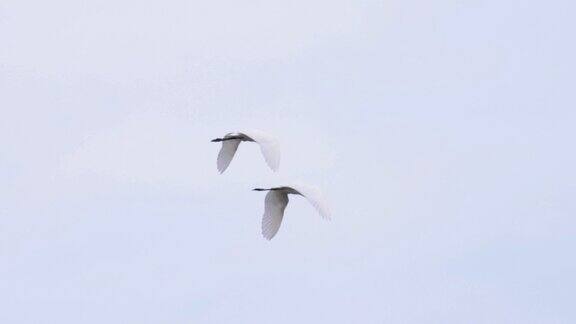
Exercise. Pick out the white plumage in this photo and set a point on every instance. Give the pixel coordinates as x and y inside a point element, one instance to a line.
<point>230,142</point>
<point>277,200</point>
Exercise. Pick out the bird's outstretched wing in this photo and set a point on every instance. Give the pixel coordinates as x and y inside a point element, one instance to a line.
<point>315,197</point>
<point>226,154</point>
<point>274,207</point>
<point>269,147</point>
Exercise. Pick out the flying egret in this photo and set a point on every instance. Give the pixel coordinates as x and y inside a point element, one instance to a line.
<point>268,145</point>
<point>277,200</point>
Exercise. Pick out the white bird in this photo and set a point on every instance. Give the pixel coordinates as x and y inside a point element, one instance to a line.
<point>268,145</point>
<point>277,200</point>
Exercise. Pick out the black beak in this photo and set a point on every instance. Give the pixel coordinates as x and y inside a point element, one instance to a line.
<point>216,140</point>
<point>258,189</point>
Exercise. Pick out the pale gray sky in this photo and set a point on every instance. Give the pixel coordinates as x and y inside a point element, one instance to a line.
<point>442,133</point>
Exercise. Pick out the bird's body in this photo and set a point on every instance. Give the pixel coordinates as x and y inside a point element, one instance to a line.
<point>231,141</point>
<point>277,200</point>
<point>234,136</point>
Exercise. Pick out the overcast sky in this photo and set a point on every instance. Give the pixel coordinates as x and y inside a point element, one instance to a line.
<point>442,133</point>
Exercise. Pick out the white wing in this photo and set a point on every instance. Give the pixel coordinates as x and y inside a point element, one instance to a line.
<point>226,154</point>
<point>315,197</point>
<point>269,147</point>
<point>274,207</point>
